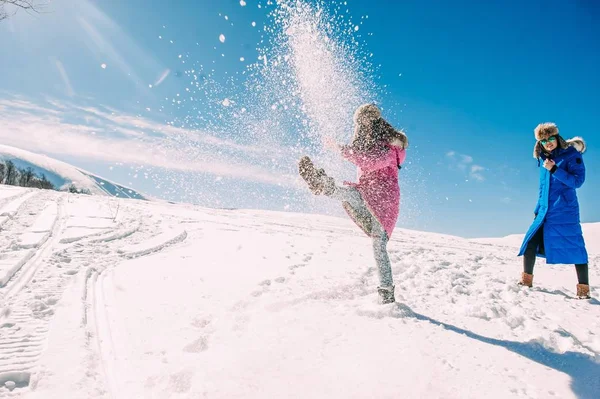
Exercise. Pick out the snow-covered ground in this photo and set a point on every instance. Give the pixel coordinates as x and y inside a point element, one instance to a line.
<point>115,298</point>
<point>62,174</point>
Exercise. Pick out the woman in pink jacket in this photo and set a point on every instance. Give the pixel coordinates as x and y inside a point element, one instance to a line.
<point>378,150</point>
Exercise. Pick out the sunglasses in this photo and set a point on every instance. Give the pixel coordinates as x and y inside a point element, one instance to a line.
<point>549,139</point>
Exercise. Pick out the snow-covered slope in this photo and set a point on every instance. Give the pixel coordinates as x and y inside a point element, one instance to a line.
<point>115,298</point>
<point>62,175</point>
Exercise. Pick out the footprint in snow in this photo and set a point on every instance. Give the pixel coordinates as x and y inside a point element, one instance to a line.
<point>197,346</point>
<point>296,266</point>
<point>180,382</point>
<point>201,322</point>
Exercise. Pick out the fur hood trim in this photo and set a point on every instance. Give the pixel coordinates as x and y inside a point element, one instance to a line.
<point>399,139</point>
<point>577,142</point>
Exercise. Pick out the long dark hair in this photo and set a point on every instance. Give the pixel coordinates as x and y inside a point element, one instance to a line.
<point>374,136</point>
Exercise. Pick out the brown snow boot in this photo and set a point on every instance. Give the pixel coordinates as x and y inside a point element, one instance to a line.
<point>386,294</point>
<point>583,291</point>
<point>318,182</point>
<point>526,280</point>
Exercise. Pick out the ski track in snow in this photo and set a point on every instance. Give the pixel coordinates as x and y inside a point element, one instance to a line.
<point>37,263</point>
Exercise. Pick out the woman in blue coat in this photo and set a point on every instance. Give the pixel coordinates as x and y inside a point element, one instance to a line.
<point>556,230</point>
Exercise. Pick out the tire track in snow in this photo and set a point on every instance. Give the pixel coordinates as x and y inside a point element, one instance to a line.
<point>30,299</point>
<point>12,208</point>
<point>96,318</point>
<point>24,321</point>
<point>154,244</point>
<point>28,270</point>
<point>103,343</point>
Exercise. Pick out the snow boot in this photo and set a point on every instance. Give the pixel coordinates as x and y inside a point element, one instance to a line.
<point>386,294</point>
<point>526,280</point>
<point>583,291</point>
<point>318,182</point>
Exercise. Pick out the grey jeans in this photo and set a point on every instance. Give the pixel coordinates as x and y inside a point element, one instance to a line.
<point>380,238</point>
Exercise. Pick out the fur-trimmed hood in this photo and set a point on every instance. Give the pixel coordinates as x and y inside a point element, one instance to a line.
<point>399,139</point>
<point>577,142</point>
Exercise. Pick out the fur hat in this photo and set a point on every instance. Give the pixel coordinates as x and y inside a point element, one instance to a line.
<point>545,130</point>
<point>366,113</point>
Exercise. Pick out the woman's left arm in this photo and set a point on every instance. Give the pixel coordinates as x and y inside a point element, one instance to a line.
<point>574,174</point>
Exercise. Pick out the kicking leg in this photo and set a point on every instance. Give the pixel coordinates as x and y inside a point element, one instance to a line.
<point>350,195</point>
<point>317,180</point>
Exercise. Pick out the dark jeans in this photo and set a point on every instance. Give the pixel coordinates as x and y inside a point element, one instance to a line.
<point>537,241</point>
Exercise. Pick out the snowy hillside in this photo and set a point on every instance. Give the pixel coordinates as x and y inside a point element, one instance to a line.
<point>62,175</point>
<point>115,298</point>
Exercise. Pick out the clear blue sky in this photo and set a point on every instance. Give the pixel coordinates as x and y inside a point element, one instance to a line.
<point>468,81</point>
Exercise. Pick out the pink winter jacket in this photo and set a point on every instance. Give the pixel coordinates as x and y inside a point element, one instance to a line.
<point>378,185</point>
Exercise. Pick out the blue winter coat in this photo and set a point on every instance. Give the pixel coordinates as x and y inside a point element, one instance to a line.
<point>557,209</point>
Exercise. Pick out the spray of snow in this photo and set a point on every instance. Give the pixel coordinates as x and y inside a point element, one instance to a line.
<point>311,72</point>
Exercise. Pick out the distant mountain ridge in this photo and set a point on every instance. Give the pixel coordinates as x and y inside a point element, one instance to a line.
<point>63,175</point>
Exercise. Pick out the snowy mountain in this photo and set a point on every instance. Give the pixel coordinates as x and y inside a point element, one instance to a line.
<point>62,175</point>
<point>115,298</point>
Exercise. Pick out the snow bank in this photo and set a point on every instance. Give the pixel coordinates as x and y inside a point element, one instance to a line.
<point>62,174</point>
<point>66,172</point>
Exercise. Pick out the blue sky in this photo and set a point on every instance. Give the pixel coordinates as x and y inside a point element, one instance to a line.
<point>154,98</point>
